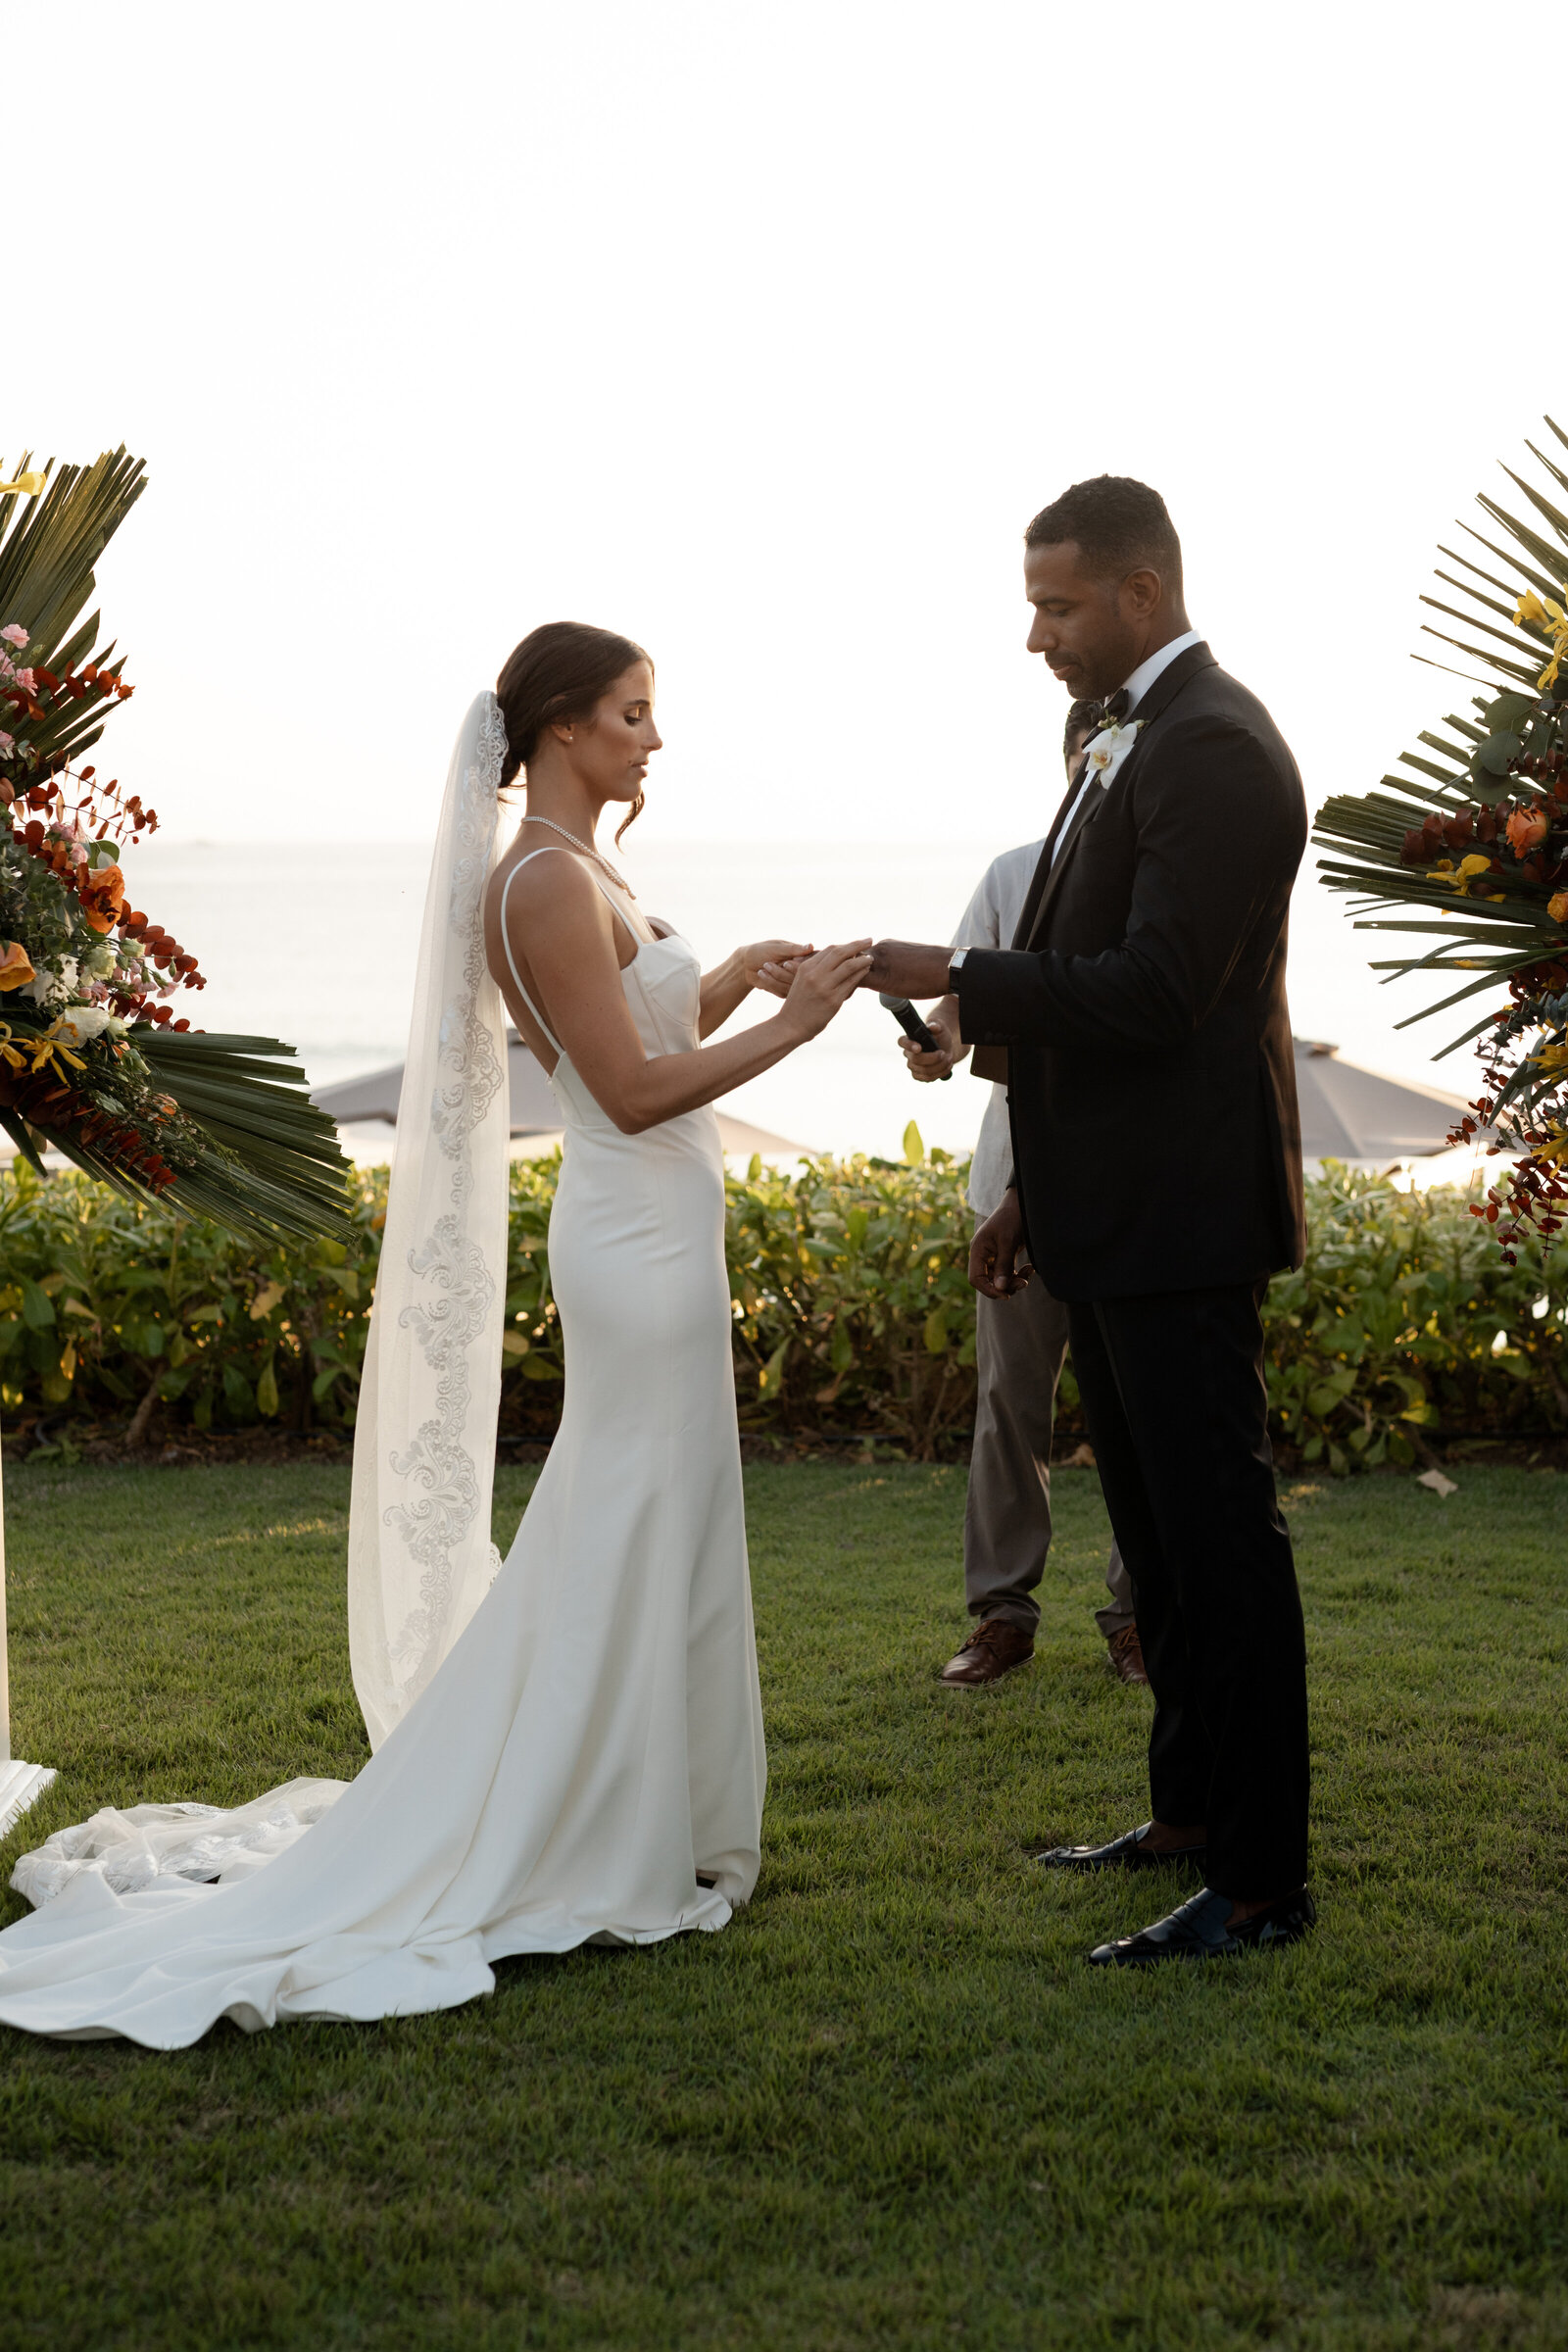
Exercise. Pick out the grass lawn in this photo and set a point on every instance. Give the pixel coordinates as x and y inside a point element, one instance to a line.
<point>889,2105</point>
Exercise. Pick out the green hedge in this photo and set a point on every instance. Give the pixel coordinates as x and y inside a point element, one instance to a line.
<point>851,1316</point>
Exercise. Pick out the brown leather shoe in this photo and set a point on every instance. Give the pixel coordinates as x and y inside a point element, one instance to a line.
<point>1127,1655</point>
<point>993,1649</point>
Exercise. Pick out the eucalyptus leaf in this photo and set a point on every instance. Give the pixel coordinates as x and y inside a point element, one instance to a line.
<point>1499,752</point>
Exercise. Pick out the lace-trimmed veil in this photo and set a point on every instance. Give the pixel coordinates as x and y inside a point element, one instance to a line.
<point>421,1559</point>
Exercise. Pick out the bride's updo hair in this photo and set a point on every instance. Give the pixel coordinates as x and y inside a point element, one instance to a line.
<point>558,674</point>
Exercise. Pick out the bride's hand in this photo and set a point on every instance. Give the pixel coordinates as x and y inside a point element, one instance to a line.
<point>770,964</point>
<point>823,983</point>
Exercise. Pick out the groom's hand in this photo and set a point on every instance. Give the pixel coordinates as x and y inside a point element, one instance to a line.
<point>900,969</point>
<point>994,1268</point>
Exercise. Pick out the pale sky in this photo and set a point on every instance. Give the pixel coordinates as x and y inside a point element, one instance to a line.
<point>759,333</point>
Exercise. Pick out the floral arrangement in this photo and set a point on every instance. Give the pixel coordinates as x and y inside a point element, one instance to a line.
<point>92,1059</point>
<point>1472,847</point>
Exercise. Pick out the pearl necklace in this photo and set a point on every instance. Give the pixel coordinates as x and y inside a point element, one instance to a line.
<point>587,849</point>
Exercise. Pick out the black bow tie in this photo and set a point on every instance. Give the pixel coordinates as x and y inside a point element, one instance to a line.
<point>1109,713</point>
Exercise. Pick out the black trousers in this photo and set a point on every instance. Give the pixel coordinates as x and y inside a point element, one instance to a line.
<point>1177,1409</point>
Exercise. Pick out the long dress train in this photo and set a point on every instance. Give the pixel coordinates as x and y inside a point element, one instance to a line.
<point>591,1743</point>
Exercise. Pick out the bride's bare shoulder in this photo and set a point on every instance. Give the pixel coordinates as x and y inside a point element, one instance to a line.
<point>538,883</point>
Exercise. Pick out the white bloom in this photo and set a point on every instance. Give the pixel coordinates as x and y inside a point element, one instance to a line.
<point>53,983</point>
<point>78,1022</point>
<point>1110,748</point>
<point>99,962</point>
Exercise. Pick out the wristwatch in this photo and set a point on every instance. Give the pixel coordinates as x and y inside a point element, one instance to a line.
<point>954,968</point>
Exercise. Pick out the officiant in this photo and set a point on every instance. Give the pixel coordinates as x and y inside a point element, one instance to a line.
<point>1020,1343</point>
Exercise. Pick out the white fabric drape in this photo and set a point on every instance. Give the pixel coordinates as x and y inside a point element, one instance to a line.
<point>421,1559</point>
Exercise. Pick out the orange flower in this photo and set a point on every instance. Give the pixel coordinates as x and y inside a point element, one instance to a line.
<point>1526,829</point>
<point>103,895</point>
<point>1557,908</point>
<point>14,969</point>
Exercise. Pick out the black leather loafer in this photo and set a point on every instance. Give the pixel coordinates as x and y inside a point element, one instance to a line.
<point>1122,1853</point>
<point>1199,1932</point>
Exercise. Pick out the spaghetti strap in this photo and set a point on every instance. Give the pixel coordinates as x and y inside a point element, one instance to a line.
<point>616,906</point>
<point>506,941</point>
<point>506,937</point>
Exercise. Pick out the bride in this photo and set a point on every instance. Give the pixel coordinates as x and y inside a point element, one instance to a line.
<point>568,1745</point>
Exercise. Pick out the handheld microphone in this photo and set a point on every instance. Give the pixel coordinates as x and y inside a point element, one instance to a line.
<point>910,1023</point>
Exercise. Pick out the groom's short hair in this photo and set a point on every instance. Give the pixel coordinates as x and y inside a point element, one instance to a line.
<point>1117,524</point>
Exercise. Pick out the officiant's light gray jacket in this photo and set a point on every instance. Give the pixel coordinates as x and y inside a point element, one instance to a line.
<point>1152,1078</point>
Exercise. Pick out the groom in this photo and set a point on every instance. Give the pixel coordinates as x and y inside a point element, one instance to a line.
<point>1157,1184</point>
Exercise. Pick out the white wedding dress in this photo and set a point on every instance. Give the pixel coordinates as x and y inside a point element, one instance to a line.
<point>589,1743</point>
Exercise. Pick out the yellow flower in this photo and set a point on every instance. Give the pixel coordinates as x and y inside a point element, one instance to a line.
<point>1551,1057</point>
<point>50,1050</point>
<point>1557,906</point>
<point>1469,869</point>
<point>1542,613</point>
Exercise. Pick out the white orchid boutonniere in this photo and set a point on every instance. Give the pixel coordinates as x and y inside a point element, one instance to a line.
<point>1110,748</point>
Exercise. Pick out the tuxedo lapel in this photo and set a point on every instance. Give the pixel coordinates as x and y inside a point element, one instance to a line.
<point>1149,708</point>
<point>1042,873</point>
<point>992,1061</point>
<point>1169,683</point>
<point>1088,808</point>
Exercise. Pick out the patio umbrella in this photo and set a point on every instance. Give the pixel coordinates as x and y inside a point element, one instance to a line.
<point>1352,1113</point>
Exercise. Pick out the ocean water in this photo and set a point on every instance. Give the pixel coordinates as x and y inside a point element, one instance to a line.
<point>317,947</point>
<point>316,943</point>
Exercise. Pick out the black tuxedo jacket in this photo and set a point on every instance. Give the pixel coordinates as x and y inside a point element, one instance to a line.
<point>1152,1078</point>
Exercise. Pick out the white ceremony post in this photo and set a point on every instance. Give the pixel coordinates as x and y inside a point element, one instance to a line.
<point>20,1783</point>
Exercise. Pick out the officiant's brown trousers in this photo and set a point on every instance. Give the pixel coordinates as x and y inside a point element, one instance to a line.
<point>1019,1346</point>
<point>1178,1416</point>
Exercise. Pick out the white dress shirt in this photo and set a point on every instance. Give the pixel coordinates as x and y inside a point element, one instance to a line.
<point>1137,686</point>
<point>1134,688</point>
